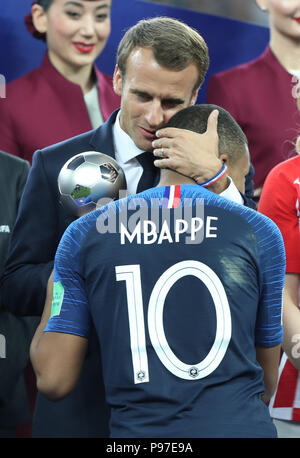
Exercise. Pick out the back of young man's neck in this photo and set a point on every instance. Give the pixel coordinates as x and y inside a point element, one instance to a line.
<point>173,178</point>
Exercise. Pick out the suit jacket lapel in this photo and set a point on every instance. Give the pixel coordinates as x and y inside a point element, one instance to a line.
<point>102,138</point>
<point>103,142</point>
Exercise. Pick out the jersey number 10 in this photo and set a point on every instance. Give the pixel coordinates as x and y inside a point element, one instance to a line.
<point>131,274</point>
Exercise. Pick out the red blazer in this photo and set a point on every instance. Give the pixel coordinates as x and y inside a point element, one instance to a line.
<point>259,96</point>
<point>43,108</point>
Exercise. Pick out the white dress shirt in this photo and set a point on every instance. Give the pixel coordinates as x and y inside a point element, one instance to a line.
<point>232,193</point>
<point>91,100</point>
<point>126,152</point>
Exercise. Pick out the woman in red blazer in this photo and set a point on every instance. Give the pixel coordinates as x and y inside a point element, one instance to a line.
<point>67,95</point>
<point>262,95</point>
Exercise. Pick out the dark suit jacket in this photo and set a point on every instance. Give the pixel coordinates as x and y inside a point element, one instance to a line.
<point>39,227</point>
<point>18,332</point>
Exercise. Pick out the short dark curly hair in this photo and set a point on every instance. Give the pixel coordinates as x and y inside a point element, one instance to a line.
<point>232,139</point>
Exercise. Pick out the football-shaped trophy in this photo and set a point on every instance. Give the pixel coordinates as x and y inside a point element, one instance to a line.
<point>88,177</point>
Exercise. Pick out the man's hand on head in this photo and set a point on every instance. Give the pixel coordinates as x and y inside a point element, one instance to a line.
<point>191,154</point>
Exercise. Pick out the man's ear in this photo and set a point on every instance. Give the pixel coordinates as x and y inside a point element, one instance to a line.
<point>194,97</point>
<point>117,81</point>
<point>39,18</point>
<point>225,158</point>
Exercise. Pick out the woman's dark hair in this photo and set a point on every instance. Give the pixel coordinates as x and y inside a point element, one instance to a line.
<point>45,4</point>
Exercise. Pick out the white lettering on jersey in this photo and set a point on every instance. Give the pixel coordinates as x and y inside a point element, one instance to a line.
<point>131,274</point>
<point>147,232</point>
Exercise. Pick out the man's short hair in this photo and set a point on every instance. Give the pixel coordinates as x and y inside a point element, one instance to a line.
<point>175,45</point>
<point>232,139</point>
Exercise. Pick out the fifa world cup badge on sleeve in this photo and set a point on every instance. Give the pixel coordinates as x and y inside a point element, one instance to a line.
<point>58,296</point>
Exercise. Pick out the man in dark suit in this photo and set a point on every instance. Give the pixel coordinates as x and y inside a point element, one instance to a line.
<point>158,73</point>
<point>15,332</point>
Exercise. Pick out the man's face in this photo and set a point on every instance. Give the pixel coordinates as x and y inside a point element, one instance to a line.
<point>239,169</point>
<point>151,95</point>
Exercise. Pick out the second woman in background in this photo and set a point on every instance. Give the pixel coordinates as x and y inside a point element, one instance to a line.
<point>262,95</point>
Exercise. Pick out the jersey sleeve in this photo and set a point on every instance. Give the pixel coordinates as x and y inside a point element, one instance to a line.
<point>269,329</point>
<point>279,202</point>
<point>69,312</point>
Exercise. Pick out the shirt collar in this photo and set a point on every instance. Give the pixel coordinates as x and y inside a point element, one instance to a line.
<point>125,146</point>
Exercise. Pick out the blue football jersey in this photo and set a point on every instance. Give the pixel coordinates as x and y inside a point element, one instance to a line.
<point>181,286</point>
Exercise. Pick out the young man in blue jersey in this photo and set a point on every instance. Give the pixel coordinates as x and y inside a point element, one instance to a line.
<point>184,290</point>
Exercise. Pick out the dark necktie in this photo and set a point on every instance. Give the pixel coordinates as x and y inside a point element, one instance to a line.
<point>150,174</point>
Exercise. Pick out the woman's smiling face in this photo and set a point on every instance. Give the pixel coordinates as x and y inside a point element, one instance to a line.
<point>76,30</point>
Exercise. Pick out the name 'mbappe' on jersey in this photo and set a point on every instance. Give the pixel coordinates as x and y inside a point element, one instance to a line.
<point>155,223</point>
<point>191,230</point>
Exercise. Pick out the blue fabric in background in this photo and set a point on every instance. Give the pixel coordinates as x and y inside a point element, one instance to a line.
<point>230,42</point>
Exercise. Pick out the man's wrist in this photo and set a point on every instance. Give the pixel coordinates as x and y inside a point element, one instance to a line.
<point>215,179</point>
<point>218,176</point>
<point>205,174</point>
